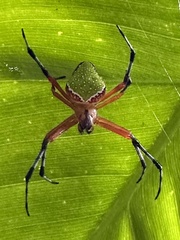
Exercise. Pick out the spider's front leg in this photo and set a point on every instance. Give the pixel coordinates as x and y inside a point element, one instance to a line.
<point>127,80</point>
<point>51,136</point>
<point>137,145</point>
<point>119,90</point>
<point>61,94</point>
<point>132,53</point>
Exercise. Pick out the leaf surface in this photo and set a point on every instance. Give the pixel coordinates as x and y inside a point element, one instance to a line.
<point>97,197</point>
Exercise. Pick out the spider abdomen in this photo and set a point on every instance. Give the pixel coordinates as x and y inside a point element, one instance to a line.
<point>85,84</point>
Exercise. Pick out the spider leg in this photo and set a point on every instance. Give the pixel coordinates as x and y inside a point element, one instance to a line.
<point>60,97</point>
<point>64,98</point>
<point>137,145</point>
<point>143,163</point>
<point>118,91</point>
<point>51,136</point>
<point>132,55</point>
<point>110,97</point>
<point>139,148</point>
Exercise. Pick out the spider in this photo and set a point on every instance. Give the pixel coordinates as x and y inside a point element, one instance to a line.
<point>85,93</point>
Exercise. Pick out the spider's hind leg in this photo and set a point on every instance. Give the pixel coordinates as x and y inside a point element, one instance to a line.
<point>140,149</point>
<point>43,157</point>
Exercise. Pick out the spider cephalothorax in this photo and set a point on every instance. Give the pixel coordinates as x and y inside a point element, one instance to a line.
<point>85,93</point>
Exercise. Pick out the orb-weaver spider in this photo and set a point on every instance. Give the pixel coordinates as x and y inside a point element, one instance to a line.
<point>85,93</point>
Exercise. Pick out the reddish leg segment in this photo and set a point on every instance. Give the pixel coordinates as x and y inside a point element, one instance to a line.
<point>113,127</point>
<point>138,147</point>
<point>111,96</point>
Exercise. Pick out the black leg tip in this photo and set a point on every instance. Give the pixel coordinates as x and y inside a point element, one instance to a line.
<point>139,180</point>
<point>27,211</point>
<point>54,182</point>
<point>23,34</point>
<point>157,195</point>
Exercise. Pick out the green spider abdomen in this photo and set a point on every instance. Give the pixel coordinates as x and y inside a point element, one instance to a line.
<point>85,84</point>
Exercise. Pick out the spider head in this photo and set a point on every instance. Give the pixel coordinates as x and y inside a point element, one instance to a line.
<point>87,120</point>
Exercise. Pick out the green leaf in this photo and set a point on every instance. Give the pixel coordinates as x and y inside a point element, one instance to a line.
<point>97,197</point>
